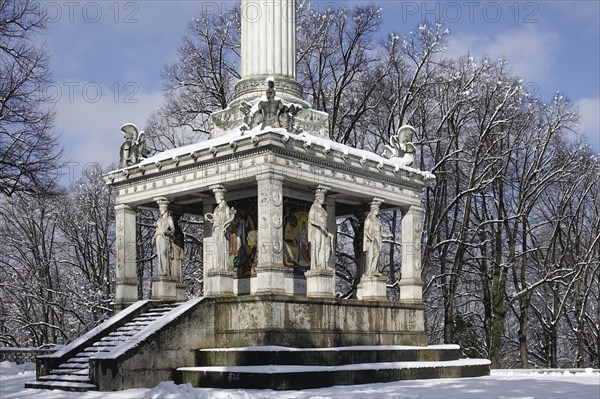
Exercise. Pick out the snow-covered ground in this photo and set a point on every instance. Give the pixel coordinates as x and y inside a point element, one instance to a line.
<point>501,384</point>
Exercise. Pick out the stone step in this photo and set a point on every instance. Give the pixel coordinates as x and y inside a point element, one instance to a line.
<point>141,320</point>
<point>69,371</point>
<point>279,355</point>
<point>67,378</point>
<point>97,349</point>
<point>130,327</point>
<point>160,310</point>
<point>74,366</point>
<point>85,371</point>
<point>78,359</point>
<point>73,375</point>
<point>103,343</point>
<point>123,333</point>
<point>278,377</point>
<point>62,385</point>
<point>111,339</point>
<point>139,323</point>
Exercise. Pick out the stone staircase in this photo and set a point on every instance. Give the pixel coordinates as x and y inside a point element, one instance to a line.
<point>74,373</point>
<point>283,368</point>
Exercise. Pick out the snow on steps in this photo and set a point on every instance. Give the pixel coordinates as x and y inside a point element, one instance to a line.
<point>281,368</point>
<point>73,374</point>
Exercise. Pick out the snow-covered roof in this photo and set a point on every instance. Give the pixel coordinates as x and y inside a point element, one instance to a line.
<point>236,137</point>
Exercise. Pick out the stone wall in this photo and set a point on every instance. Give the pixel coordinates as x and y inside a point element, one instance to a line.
<point>301,322</point>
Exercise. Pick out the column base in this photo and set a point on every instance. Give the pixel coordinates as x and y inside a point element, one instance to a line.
<point>270,280</point>
<point>219,283</point>
<point>126,291</point>
<point>320,283</point>
<point>411,291</point>
<point>167,289</point>
<point>372,288</point>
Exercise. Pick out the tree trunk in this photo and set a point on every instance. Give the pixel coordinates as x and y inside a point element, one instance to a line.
<point>523,324</point>
<point>579,333</point>
<point>554,329</point>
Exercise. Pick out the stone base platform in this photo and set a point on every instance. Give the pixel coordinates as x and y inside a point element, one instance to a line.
<point>148,341</point>
<point>282,368</point>
<point>259,320</point>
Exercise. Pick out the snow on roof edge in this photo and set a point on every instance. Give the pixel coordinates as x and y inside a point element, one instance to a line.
<point>308,139</point>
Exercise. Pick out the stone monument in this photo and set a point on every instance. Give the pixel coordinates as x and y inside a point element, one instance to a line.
<point>269,184</point>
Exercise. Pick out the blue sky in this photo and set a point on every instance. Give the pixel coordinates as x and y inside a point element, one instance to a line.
<point>106,56</point>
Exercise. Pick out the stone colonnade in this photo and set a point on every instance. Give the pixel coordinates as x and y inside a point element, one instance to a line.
<point>270,271</point>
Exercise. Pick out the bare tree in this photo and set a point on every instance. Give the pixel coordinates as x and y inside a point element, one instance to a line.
<point>510,247</point>
<point>337,60</point>
<point>86,223</point>
<point>199,83</point>
<point>32,277</point>
<point>29,150</point>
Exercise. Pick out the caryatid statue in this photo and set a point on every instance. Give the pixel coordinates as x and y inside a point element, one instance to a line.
<point>221,219</point>
<point>321,241</point>
<point>164,237</point>
<point>372,240</point>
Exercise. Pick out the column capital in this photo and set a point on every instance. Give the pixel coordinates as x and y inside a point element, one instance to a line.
<point>124,208</point>
<point>322,189</point>
<point>412,208</point>
<point>270,175</point>
<point>215,188</point>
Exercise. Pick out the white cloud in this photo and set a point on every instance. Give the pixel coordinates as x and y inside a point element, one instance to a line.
<point>589,123</point>
<point>584,12</point>
<point>530,50</point>
<point>90,118</point>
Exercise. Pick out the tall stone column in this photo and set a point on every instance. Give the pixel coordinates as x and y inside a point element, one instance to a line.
<point>126,291</point>
<point>270,270</point>
<point>411,284</point>
<point>268,48</point>
<point>268,38</point>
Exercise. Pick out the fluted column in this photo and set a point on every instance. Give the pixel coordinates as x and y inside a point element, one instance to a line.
<point>268,38</point>
<point>411,284</point>
<point>268,49</point>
